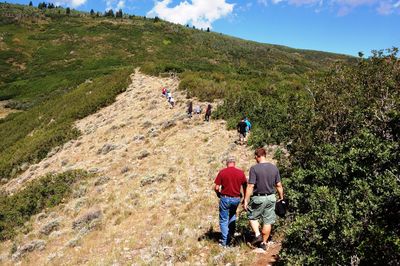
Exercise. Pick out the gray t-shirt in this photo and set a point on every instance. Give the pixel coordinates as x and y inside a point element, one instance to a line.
<point>264,176</point>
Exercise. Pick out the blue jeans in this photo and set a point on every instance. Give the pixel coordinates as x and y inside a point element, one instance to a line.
<point>227,217</point>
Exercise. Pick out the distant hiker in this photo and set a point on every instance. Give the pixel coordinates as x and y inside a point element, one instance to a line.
<point>197,109</point>
<point>260,197</point>
<point>164,91</point>
<point>241,129</point>
<point>190,109</point>
<point>248,128</point>
<point>172,102</point>
<point>168,95</point>
<point>208,113</point>
<point>227,186</point>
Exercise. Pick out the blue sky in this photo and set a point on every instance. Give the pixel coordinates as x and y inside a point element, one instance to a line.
<point>341,26</point>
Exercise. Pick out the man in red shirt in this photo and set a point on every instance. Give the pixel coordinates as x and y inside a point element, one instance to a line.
<point>227,186</point>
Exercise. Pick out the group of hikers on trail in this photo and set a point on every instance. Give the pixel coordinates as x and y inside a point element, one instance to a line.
<point>259,198</point>
<point>259,189</point>
<point>167,93</point>
<point>197,110</point>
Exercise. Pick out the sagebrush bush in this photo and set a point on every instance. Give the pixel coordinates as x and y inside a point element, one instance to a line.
<point>45,192</point>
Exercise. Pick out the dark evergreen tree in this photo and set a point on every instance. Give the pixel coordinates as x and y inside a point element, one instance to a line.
<point>208,29</point>
<point>30,3</point>
<point>156,19</point>
<point>91,12</point>
<point>68,11</point>
<point>119,13</point>
<point>109,13</point>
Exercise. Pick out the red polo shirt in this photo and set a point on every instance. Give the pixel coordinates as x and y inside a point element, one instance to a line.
<point>231,179</point>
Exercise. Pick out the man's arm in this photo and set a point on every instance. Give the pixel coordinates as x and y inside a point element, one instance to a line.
<point>279,188</point>
<point>217,190</point>
<point>249,192</point>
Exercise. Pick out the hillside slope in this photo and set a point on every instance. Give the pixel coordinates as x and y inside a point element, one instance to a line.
<point>45,52</point>
<point>151,200</point>
<point>48,57</point>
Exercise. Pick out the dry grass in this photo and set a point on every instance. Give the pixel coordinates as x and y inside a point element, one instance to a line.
<point>162,219</point>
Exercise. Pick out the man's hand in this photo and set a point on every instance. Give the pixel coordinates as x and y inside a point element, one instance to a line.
<point>249,192</point>
<point>217,190</point>
<point>245,205</point>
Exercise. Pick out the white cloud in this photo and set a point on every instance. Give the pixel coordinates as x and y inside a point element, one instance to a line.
<point>344,7</point>
<point>121,4</point>
<point>115,4</point>
<point>71,3</point>
<point>200,13</point>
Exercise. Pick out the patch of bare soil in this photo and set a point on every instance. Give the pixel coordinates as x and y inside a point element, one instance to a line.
<point>5,111</point>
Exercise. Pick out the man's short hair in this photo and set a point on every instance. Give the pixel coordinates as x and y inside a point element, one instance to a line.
<point>230,159</point>
<point>260,152</point>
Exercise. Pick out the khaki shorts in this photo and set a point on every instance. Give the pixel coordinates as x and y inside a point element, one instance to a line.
<point>262,208</point>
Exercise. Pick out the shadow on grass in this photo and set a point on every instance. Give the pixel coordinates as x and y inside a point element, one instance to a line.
<point>243,234</point>
<point>210,235</point>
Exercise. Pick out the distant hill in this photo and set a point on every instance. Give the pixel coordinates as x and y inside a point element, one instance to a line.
<point>47,52</point>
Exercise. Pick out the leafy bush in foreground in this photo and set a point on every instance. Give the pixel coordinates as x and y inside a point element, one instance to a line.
<point>45,192</point>
<point>344,185</point>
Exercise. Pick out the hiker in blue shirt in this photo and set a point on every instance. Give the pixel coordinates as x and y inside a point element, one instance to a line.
<point>248,128</point>
<point>247,121</point>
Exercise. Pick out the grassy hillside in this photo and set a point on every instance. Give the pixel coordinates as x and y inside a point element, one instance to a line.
<point>48,58</point>
<point>52,53</point>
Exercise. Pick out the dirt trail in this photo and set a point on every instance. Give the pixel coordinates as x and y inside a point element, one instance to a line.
<point>151,200</point>
<point>5,111</point>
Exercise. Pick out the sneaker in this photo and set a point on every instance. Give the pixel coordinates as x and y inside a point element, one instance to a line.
<point>264,246</point>
<point>257,240</point>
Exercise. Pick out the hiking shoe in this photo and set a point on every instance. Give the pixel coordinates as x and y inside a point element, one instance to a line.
<point>257,240</point>
<point>264,246</point>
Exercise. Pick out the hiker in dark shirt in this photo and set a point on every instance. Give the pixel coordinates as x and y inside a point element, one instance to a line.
<point>260,198</point>
<point>190,109</point>
<point>242,129</point>
<point>208,113</point>
<point>227,186</point>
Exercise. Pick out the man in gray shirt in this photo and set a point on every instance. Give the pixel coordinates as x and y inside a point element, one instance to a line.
<point>260,196</point>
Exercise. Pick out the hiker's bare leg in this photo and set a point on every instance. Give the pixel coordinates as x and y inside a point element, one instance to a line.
<point>266,231</point>
<point>255,225</point>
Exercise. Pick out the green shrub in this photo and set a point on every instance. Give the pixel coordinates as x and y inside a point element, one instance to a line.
<point>45,192</point>
<point>204,89</point>
<point>344,185</point>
